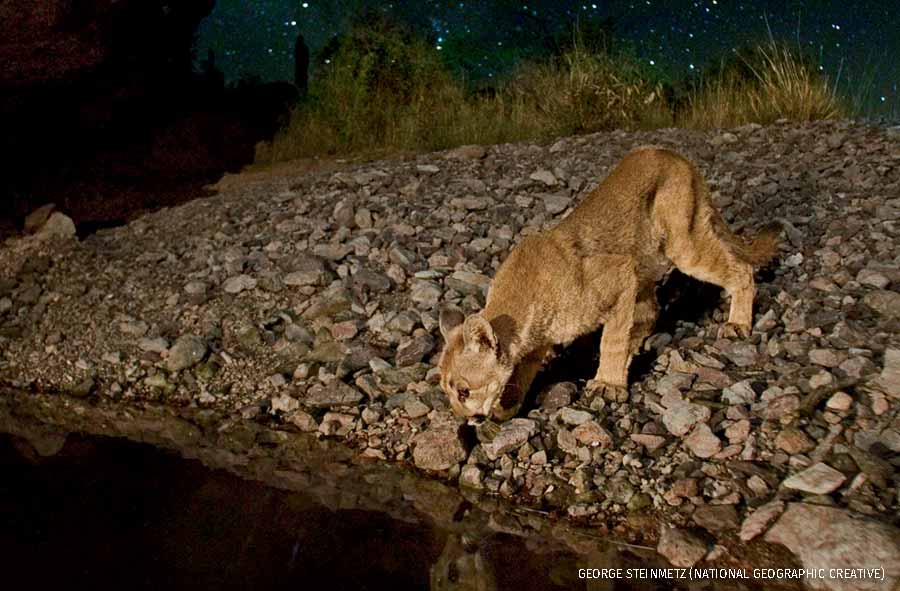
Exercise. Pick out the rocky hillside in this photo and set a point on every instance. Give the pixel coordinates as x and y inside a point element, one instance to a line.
<point>310,304</point>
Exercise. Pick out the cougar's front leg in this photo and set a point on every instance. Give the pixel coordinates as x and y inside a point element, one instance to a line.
<point>611,380</point>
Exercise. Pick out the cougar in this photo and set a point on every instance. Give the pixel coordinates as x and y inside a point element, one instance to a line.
<point>598,266</point>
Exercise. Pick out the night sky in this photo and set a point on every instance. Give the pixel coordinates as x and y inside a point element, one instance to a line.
<point>857,40</point>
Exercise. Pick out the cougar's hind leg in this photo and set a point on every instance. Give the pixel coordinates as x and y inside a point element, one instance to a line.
<point>696,249</point>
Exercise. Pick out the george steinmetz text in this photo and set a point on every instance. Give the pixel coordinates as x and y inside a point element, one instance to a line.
<point>696,574</point>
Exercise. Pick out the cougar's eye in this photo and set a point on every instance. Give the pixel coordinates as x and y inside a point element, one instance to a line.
<point>462,394</point>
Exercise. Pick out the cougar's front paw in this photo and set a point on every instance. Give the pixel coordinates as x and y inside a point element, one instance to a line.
<point>608,392</point>
<point>730,330</point>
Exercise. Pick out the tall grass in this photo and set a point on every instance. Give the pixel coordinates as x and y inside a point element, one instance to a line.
<point>385,90</point>
<point>771,81</point>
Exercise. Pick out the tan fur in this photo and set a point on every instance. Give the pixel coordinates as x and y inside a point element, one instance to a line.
<point>599,266</point>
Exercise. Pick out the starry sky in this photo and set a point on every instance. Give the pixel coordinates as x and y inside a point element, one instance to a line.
<point>858,42</point>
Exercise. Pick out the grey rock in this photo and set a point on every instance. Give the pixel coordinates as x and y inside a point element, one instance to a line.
<point>757,522</point>
<point>415,408</point>
<point>681,417</point>
<point>702,442</point>
<point>794,441</point>
<point>573,416</point>
<point>558,395</point>
<point>303,421</point>
<point>153,345</point>
<point>239,283</point>
<point>739,393</point>
<point>284,403</point>
<point>823,537</point>
<point>680,547</point>
<point>889,380</point>
<point>651,442</point>
<point>513,434</point>
<point>334,393</point>
<point>818,479</point>
<point>555,204</point>
<point>375,282</point>
<point>716,518</point>
<point>873,279</point>
<point>426,294</point>
<point>544,176</point>
<point>619,490</point>
<point>886,303</point>
<point>58,225</point>
<point>741,353</point>
<point>414,350</point>
<point>590,433</point>
<point>187,351</point>
<point>468,282</point>
<point>438,448</point>
<point>471,477</point>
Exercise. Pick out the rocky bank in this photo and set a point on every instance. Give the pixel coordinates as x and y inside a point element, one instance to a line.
<point>310,304</point>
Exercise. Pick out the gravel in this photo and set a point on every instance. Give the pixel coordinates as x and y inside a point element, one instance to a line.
<point>312,302</point>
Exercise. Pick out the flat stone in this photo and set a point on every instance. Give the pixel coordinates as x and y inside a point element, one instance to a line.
<point>680,547</point>
<point>471,477</point>
<point>303,421</point>
<point>513,434</point>
<point>284,403</point>
<point>558,395</point>
<point>592,434</point>
<point>702,442</point>
<point>438,448</point>
<point>758,521</point>
<point>187,351</point>
<point>824,357</point>
<point>650,442</point>
<point>824,537</point>
<point>544,176</point>
<point>574,416</point>
<point>739,393</point>
<point>555,204</point>
<point>818,479</point>
<point>716,518</point>
<point>415,408</point>
<point>839,401</point>
<point>873,279</point>
<point>886,303</point>
<point>334,393</point>
<point>238,283</point>
<point>793,441</point>
<point>414,350</point>
<point>682,416</point>
<point>741,353</point>
<point>889,380</point>
<point>738,431</point>
<point>58,225</point>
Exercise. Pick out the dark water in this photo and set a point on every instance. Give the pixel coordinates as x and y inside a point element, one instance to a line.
<point>111,514</point>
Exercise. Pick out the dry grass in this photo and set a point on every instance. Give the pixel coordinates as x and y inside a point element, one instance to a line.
<point>774,83</point>
<point>386,91</point>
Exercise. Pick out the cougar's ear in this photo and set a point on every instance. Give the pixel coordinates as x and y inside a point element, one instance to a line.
<point>450,318</point>
<point>478,334</point>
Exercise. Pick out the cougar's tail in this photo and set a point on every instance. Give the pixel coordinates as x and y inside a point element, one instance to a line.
<point>761,250</point>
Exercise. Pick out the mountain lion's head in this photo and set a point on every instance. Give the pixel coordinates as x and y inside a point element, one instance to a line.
<point>473,373</point>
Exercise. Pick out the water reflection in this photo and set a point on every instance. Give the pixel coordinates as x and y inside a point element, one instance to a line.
<point>111,514</point>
